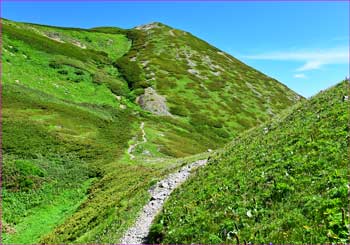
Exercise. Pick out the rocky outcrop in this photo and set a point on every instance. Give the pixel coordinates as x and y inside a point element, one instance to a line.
<point>153,102</point>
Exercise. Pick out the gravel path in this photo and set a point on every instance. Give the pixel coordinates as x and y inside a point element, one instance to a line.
<point>144,140</point>
<point>159,193</point>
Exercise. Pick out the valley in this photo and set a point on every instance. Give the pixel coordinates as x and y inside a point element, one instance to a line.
<point>98,123</point>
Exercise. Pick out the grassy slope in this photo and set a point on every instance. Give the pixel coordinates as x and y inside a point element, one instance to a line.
<point>224,98</point>
<point>287,185</point>
<point>62,126</point>
<point>65,134</point>
<point>65,137</point>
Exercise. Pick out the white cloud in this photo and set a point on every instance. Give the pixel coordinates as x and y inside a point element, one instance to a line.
<point>313,59</point>
<point>311,65</point>
<point>300,75</point>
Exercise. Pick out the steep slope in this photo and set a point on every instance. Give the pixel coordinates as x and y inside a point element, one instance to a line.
<point>205,88</point>
<point>283,182</point>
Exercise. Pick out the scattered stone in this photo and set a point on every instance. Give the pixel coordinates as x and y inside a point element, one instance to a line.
<point>345,98</point>
<point>54,36</point>
<point>210,150</point>
<point>193,71</point>
<point>79,44</point>
<point>159,193</point>
<point>123,107</point>
<point>145,63</point>
<point>216,73</point>
<point>8,229</point>
<point>249,214</point>
<point>147,153</point>
<point>164,185</point>
<point>133,146</point>
<point>148,26</point>
<point>17,81</point>
<point>110,42</point>
<point>190,63</point>
<point>266,130</point>
<point>133,58</point>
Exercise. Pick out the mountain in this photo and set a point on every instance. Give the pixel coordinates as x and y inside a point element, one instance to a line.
<point>285,181</point>
<point>93,117</point>
<point>205,89</point>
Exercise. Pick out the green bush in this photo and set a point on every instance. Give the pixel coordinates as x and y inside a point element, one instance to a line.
<point>179,110</point>
<point>26,167</point>
<point>138,91</point>
<point>142,84</point>
<point>129,70</point>
<point>116,86</point>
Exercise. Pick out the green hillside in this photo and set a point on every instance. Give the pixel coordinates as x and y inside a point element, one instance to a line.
<point>70,116</point>
<point>206,89</point>
<point>283,182</point>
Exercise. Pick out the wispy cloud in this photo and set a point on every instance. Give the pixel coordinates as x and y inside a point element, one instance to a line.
<point>300,75</point>
<point>313,59</point>
<point>311,65</point>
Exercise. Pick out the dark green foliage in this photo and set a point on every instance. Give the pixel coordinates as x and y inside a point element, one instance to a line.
<point>130,71</point>
<point>22,175</point>
<point>116,86</point>
<point>282,182</point>
<point>59,61</point>
<point>107,29</point>
<point>138,91</point>
<point>63,72</point>
<point>216,85</point>
<point>180,111</point>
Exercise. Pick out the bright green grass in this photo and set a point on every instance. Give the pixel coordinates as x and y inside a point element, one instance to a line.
<point>52,150</point>
<point>115,45</point>
<point>284,185</point>
<point>31,67</point>
<point>45,217</point>
<point>115,201</point>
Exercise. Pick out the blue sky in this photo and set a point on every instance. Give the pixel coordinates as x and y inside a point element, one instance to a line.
<point>305,45</point>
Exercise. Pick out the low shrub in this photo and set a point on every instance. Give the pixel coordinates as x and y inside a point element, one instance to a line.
<point>129,70</point>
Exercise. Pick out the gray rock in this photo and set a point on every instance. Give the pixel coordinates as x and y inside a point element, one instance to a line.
<point>153,102</point>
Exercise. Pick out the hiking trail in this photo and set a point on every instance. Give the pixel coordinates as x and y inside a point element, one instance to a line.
<point>133,146</point>
<point>138,232</point>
